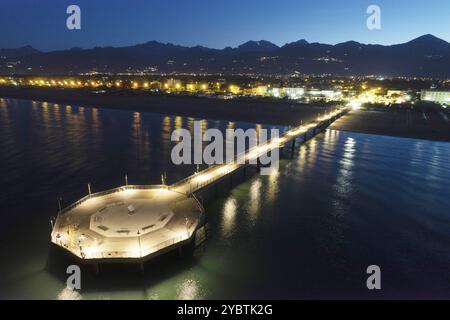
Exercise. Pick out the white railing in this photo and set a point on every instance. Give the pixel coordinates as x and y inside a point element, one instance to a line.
<point>213,174</point>
<point>109,191</point>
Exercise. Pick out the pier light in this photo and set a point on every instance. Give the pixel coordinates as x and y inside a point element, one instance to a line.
<point>136,253</point>
<point>253,154</point>
<point>224,169</point>
<point>296,131</point>
<point>91,251</point>
<point>129,192</point>
<point>278,141</point>
<point>182,234</point>
<point>135,249</point>
<point>202,177</point>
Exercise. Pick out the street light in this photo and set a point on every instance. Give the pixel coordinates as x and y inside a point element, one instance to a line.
<point>139,241</point>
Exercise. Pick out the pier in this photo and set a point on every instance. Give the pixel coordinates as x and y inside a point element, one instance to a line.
<point>138,222</point>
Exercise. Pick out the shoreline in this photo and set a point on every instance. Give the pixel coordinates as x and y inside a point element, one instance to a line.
<point>253,111</point>
<point>425,124</point>
<point>418,123</point>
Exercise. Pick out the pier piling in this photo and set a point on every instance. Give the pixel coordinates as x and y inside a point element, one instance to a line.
<point>292,148</point>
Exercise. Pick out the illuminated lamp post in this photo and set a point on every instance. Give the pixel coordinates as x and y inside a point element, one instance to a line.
<point>139,241</point>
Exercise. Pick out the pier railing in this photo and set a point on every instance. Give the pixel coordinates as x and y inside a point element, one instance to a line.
<point>139,252</point>
<point>218,171</point>
<point>109,191</point>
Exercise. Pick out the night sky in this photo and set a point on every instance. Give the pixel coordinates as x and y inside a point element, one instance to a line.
<point>216,23</point>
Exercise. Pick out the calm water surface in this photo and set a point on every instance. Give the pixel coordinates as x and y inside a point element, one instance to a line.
<point>346,201</point>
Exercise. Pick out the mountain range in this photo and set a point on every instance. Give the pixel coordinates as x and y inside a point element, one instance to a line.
<point>425,56</point>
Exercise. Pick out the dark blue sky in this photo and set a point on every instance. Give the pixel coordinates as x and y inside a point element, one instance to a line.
<point>216,23</point>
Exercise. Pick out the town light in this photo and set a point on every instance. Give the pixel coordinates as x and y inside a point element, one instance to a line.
<point>354,104</point>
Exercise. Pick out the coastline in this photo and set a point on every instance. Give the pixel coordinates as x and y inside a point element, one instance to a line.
<point>432,125</point>
<point>254,111</point>
<point>428,124</point>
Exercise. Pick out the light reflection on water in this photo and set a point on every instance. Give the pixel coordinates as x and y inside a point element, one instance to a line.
<point>255,200</point>
<point>272,188</point>
<point>69,294</point>
<point>344,184</point>
<point>188,290</point>
<point>307,231</point>
<point>229,217</point>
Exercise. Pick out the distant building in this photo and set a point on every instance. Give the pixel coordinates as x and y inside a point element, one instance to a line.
<point>397,96</point>
<point>259,91</point>
<point>398,93</point>
<point>328,95</point>
<point>442,96</point>
<point>274,92</point>
<point>294,93</point>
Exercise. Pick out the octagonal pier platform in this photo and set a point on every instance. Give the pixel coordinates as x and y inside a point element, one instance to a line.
<point>127,223</point>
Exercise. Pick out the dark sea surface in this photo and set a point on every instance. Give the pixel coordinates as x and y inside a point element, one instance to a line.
<point>310,230</point>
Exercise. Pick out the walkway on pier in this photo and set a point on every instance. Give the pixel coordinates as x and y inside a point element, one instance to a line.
<point>214,173</point>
